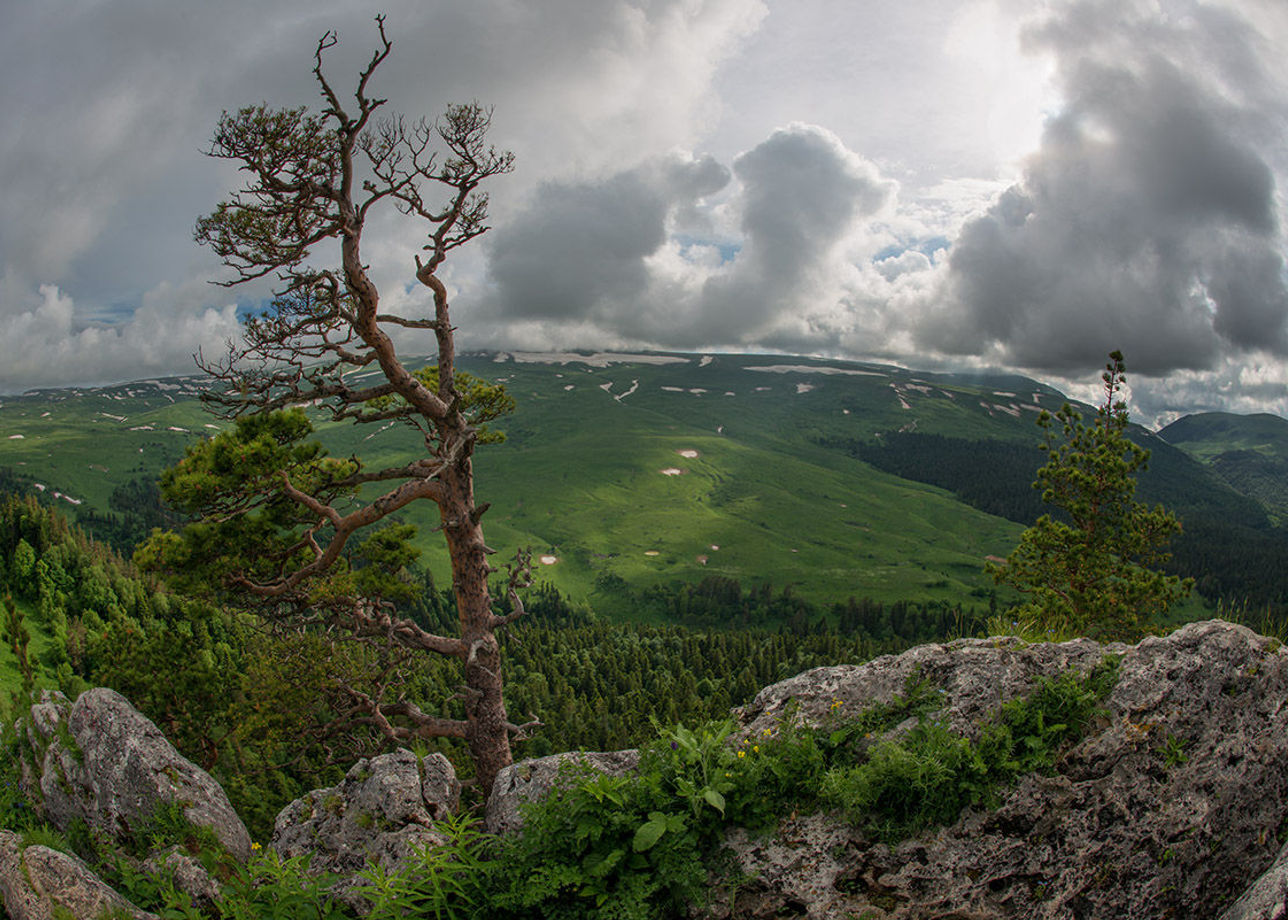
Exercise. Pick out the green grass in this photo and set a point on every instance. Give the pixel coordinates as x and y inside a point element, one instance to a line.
<point>580,479</point>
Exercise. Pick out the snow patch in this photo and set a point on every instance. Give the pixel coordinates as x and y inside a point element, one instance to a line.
<point>806,369</point>
<point>599,359</point>
<point>671,471</point>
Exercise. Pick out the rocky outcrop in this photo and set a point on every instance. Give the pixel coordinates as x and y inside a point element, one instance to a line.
<point>534,779</point>
<point>1171,808</point>
<point>382,812</point>
<point>1174,804</point>
<point>103,762</point>
<point>37,883</point>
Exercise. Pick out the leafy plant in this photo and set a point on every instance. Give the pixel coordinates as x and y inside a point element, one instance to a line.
<point>272,888</point>
<point>443,882</point>
<point>927,777</point>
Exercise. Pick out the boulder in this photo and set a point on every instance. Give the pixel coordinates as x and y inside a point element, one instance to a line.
<point>383,811</point>
<point>38,883</point>
<point>1172,806</point>
<point>533,779</point>
<point>102,761</point>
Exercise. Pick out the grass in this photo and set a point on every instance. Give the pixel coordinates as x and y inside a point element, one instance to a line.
<point>580,479</point>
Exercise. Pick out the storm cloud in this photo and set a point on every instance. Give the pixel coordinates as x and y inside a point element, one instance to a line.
<point>649,255</point>
<point>1148,220</point>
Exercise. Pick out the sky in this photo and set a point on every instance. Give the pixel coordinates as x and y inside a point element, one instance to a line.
<point>940,184</point>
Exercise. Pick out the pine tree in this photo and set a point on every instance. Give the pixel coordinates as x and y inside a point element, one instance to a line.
<point>1092,569</point>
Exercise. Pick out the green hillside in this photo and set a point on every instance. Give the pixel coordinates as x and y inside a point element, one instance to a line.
<point>665,469</point>
<point>1250,452</point>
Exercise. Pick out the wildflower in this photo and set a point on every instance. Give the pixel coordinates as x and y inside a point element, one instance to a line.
<point>768,732</point>
<point>675,746</point>
<point>756,748</point>
<point>742,753</point>
<point>255,846</point>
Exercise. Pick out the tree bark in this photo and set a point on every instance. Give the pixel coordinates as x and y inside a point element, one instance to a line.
<point>488,733</point>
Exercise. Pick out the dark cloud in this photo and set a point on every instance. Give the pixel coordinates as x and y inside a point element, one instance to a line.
<point>586,251</point>
<point>1148,218</point>
<point>578,250</point>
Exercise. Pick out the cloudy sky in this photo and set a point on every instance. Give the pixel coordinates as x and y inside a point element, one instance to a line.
<point>936,183</point>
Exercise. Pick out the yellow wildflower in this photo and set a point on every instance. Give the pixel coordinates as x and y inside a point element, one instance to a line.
<point>742,753</point>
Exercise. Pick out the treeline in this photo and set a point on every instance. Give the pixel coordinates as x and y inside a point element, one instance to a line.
<point>1236,556</point>
<point>134,508</point>
<point>720,602</point>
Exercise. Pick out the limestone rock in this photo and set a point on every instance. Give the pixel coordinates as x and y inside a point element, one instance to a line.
<point>187,873</point>
<point>1171,807</point>
<point>104,762</point>
<point>1267,897</point>
<point>37,883</point>
<point>383,811</point>
<point>535,778</point>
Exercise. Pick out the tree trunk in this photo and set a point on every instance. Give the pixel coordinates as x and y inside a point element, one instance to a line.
<point>488,733</point>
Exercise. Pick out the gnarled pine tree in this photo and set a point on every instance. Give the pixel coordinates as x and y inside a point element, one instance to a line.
<point>1094,571</point>
<point>277,514</point>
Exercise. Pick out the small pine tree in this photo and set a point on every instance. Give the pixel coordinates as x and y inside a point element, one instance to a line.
<point>1093,571</point>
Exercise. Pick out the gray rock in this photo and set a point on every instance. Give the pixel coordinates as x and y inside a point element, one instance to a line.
<point>533,779</point>
<point>186,872</point>
<point>35,882</point>
<point>383,811</point>
<point>104,762</point>
<point>1267,897</point>
<point>1123,827</point>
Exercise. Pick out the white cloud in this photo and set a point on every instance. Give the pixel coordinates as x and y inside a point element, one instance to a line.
<point>45,346</point>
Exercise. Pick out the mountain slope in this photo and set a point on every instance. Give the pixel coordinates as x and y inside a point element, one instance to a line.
<point>1250,452</point>
<point>656,469</point>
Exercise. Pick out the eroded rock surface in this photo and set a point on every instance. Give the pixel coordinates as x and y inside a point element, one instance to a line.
<point>37,883</point>
<point>383,811</point>
<point>533,779</point>
<point>102,761</point>
<point>1171,808</point>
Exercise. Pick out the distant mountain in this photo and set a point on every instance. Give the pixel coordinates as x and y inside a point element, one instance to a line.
<point>836,478</point>
<point>1250,452</point>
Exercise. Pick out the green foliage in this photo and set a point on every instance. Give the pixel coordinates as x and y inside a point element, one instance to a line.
<point>14,631</point>
<point>1095,570</point>
<point>646,845</point>
<point>272,888</point>
<point>929,775</point>
<point>480,401</point>
<point>444,881</point>
<point>249,528</point>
